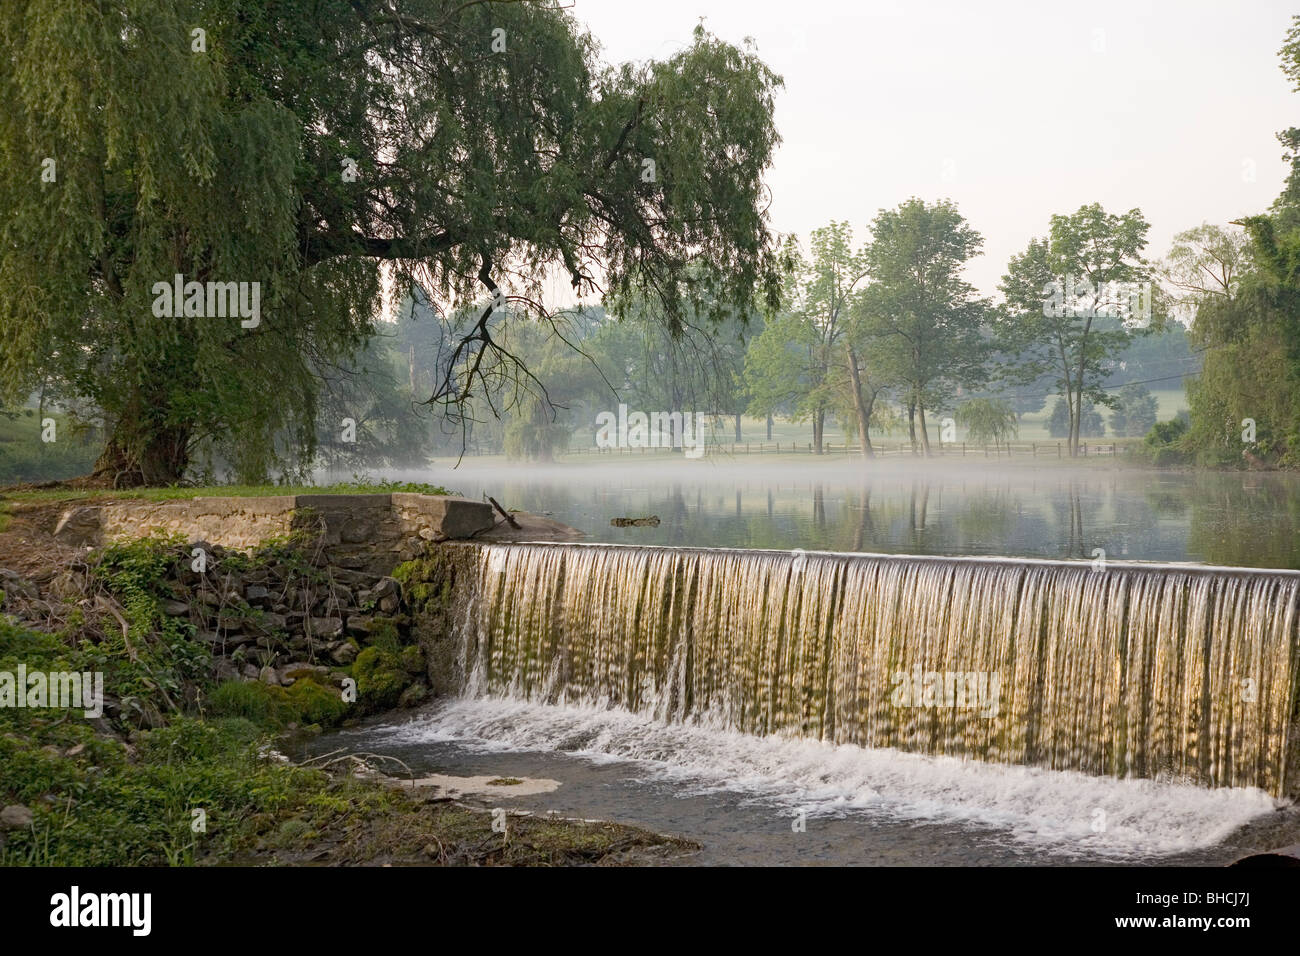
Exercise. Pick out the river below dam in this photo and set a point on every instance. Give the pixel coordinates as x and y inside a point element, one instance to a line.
<point>741,797</point>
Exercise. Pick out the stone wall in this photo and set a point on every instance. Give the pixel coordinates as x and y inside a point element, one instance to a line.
<point>237,523</point>
<point>374,532</point>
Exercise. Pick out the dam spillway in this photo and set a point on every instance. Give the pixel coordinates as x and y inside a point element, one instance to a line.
<point>1173,672</point>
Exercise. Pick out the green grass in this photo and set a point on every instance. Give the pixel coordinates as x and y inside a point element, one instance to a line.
<point>177,492</point>
<point>98,802</point>
<point>24,457</point>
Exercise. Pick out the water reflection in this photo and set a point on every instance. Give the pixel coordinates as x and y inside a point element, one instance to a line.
<point>1249,520</point>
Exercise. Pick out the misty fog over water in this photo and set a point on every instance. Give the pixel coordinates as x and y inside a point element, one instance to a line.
<point>963,507</point>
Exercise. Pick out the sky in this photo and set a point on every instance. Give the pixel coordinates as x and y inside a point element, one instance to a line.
<point>1014,111</point>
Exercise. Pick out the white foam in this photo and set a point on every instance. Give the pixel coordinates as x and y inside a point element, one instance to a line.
<point>1053,811</point>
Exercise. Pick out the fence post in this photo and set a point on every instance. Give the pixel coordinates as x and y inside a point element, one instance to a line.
<point>1058,449</point>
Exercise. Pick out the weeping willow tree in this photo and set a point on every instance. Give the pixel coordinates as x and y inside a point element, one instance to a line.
<point>289,149</point>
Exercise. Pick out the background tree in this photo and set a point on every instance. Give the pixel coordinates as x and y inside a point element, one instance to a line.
<point>922,317</point>
<point>987,420</point>
<point>821,291</point>
<point>1205,263</point>
<point>1086,252</point>
<point>699,368</point>
<point>1135,412</point>
<point>386,427</point>
<point>783,371</point>
<point>1061,423</point>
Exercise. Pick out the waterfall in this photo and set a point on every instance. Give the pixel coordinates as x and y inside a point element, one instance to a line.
<point>1129,670</point>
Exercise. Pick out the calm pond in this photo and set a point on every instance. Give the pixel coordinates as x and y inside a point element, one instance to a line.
<point>971,507</point>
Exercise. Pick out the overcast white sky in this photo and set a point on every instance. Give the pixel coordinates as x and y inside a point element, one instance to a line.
<point>1014,110</point>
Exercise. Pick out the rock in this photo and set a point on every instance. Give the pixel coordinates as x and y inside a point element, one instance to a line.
<point>344,652</point>
<point>353,578</point>
<point>68,586</point>
<point>299,670</point>
<point>175,608</point>
<point>79,527</point>
<point>359,625</point>
<point>268,675</point>
<point>651,522</point>
<point>15,817</point>
<point>325,628</point>
<point>269,623</point>
<point>413,695</point>
<point>390,604</point>
<point>357,530</point>
<point>256,594</point>
<point>446,515</point>
<point>15,586</point>
<point>223,669</point>
<point>232,618</point>
<point>250,671</point>
<point>384,587</point>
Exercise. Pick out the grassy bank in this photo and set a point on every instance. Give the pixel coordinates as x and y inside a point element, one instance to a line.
<point>182,769</point>
<point>67,492</point>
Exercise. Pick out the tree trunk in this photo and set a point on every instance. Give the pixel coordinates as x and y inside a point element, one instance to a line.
<point>737,428</point>
<point>862,405</point>
<point>160,457</point>
<point>1076,422</point>
<point>925,434</point>
<point>819,423</point>
<point>769,427</point>
<point>911,424</point>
